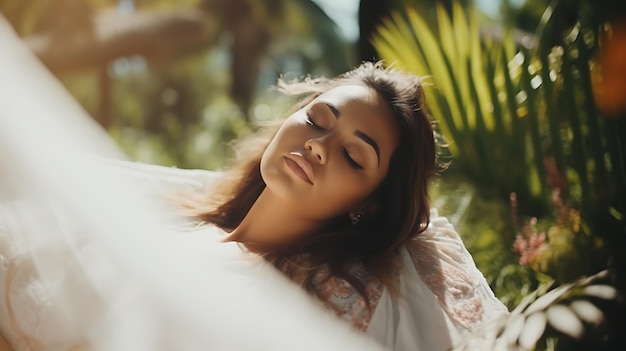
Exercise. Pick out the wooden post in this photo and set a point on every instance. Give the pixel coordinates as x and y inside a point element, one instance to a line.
<point>105,97</point>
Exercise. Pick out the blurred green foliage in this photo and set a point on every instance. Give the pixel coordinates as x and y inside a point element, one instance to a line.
<point>546,167</point>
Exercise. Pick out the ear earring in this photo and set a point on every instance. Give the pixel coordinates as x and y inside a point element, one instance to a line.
<point>355,218</point>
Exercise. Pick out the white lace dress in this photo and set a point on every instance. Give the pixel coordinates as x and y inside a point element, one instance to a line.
<point>442,295</point>
<point>441,298</point>
<point>149,288</point>
<point>29,319</point>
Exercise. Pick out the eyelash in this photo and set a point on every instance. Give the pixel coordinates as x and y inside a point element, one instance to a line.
<point>310,122</point>
<point>349,159</point>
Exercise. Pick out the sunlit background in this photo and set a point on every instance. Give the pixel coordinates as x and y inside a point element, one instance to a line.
<point>529,94</point>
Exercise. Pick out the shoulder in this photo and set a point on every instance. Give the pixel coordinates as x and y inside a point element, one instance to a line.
<point>344,299</point>
<point>448,269</point>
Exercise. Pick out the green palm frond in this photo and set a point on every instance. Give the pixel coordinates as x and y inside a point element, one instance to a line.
<point>505,110</point>
<point>470,92</point>
<point>523,119</point>
<point>551,316</point>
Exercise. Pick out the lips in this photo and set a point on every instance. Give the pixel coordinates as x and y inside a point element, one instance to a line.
<point>300,167</point>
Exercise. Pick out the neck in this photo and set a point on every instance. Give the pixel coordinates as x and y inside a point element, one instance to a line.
<point>271,223</point>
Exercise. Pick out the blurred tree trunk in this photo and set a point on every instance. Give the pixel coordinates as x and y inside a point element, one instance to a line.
<point>156,36</point>
<point>251,34</point>
<point>105,101</point>
<point>70,35</point>
<point>371,12</point>
<point>108,35</point>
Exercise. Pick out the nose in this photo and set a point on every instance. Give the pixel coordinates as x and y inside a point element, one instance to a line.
<point>317,147</point>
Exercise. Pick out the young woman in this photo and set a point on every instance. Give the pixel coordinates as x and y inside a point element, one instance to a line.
<point>335,199</point>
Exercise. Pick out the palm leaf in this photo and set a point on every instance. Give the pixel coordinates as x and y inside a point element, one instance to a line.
<point>552,314</point>
<point>465,99</point>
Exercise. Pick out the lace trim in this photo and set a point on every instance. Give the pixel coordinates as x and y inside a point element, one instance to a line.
<point>24,296</point>
<point>341,297</point>
<point>447,268</point>
<point>27,341</point>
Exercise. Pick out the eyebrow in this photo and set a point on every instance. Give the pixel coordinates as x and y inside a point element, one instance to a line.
<point>333,109</point>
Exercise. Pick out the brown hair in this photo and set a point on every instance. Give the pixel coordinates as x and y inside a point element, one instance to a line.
<point>402,198</point>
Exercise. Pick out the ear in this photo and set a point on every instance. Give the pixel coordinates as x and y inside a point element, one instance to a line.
<point>366,209</point>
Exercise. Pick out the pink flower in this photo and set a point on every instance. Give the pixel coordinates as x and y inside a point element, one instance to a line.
<point>530,246</point>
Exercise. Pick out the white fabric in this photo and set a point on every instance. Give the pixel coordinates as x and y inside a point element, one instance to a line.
<point>89,261</point>
<point>175,291</point>
<point>439,304</point>
<point>415,322</point>
<point>110,272</point>
<point>411,320</point>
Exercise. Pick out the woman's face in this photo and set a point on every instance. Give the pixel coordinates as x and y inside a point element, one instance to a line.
<point>328,157</point>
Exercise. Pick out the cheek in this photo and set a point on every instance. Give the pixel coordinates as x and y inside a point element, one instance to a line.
<point>289,135</point>
<point>345,192</point>
<point>276,145</point>
<point>266,157</point>
<point>286,140</point>
<point>270,160</point>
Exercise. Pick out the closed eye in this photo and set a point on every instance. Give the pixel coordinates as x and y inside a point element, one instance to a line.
<point>312,123</point>
<point>350,160</point>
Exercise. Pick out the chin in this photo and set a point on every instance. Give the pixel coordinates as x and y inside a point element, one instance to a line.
<point>279,182</point>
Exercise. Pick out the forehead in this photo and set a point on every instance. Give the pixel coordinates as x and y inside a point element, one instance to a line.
<point>364,109</point>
